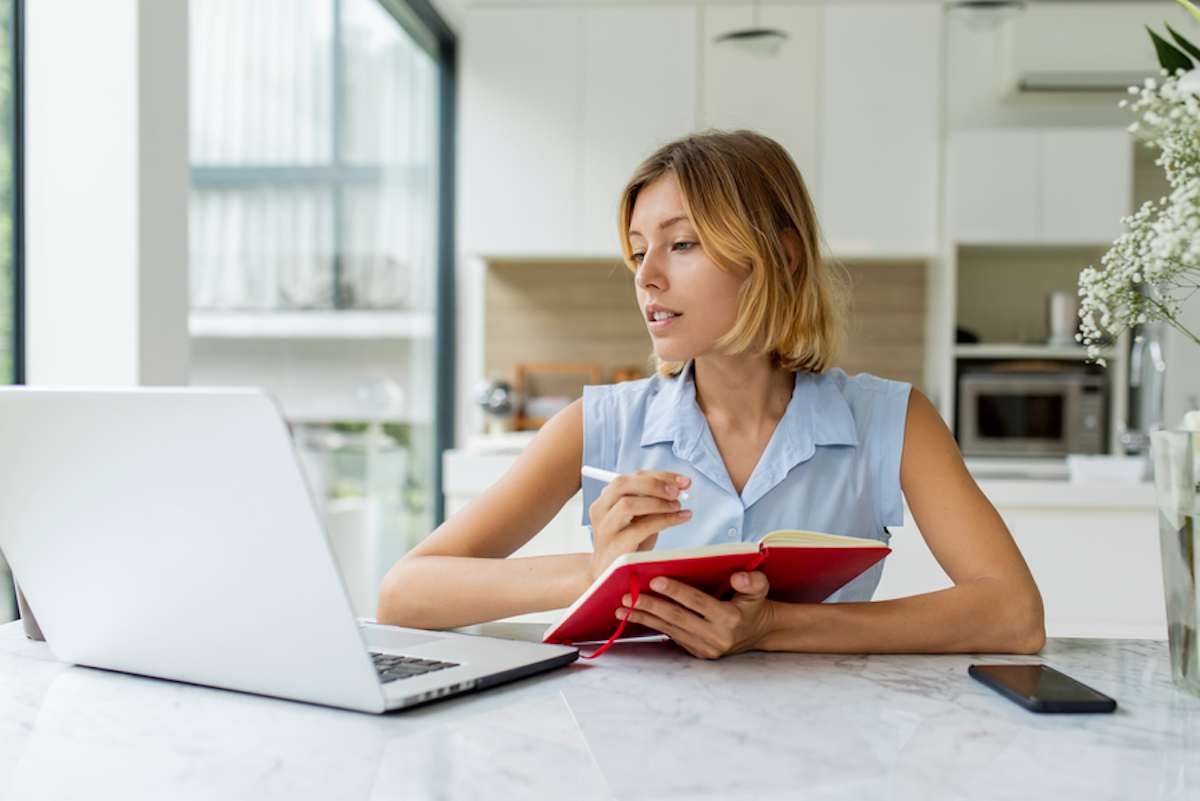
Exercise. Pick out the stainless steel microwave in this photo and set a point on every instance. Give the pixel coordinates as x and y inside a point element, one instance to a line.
<point>1031,414</point>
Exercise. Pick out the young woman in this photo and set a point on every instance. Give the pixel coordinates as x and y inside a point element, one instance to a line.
<point>746,415</point>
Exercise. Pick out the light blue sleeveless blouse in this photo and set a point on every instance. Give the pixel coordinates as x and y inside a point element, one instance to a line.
<point>832,464</point>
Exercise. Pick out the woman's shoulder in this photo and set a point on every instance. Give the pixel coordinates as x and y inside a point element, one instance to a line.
<point>624,395</point>
<point>862,385</point>
<point>878,405</point>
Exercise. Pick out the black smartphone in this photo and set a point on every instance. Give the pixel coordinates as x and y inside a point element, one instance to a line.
<point>1042,689</point>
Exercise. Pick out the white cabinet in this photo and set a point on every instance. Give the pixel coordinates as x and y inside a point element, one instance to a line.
<point>1096,563</point>
<point>1086,186</point>
<point>468,475</point>
<point>993,186</point>
<point>880,131</point>
<point>520,120</point>
<point>559,105</point>
<point>853,95</point>
<point>1039,186</point>
<point>779,96</point>
<point>639,92</point>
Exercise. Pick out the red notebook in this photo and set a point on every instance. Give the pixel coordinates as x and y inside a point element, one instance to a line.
<point>801,566</point>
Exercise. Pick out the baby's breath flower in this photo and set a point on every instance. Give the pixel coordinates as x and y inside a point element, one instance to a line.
<point>1155,264</point>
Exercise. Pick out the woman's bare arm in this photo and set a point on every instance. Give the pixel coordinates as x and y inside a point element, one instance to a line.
<point>994,604</point>
<point>459,574</point>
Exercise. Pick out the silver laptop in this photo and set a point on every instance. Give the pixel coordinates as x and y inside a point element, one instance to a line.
<point>170,532</point>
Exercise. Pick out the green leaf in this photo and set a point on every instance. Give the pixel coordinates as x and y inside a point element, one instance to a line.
<point>1170,57</point>
<point>1191,49</point>
<point>1195,12</point>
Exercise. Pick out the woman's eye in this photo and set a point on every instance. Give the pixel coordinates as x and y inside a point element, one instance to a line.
<point>638,257</point>
<point>685,245</point>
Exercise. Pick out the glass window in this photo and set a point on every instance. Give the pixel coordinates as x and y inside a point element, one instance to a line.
<point>314,249</point>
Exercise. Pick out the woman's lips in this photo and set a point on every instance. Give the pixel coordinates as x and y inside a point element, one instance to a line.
<point>659,325</point>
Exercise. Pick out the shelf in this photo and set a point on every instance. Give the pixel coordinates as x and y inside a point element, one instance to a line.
<point>312,325</point>
<point>1000,350</point>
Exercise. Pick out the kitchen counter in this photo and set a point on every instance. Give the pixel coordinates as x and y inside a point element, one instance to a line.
<point>645,721</point>
<point>1027,483</point>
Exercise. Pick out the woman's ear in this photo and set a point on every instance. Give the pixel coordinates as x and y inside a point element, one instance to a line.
<point>791,245</point>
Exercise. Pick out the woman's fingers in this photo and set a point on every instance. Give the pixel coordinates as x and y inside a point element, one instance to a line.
<point>688,640</point>
<point>631,506</point>
<point>632,537</point>
<point>683,595</point>
<point>753,585</point>
<point>656,484</point>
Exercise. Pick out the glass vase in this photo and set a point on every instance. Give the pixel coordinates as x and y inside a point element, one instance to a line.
<point>1177,489</point>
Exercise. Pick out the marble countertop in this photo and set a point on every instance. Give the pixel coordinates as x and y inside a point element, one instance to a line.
<point>645,721</point>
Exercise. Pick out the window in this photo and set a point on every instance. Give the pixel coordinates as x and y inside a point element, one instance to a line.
<point>318,247</point>
<point>314,132</point>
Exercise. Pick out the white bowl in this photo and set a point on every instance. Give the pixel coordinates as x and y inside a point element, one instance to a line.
<point>1086,469</point>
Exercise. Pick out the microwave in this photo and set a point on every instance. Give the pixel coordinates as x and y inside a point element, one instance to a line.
<point>1031,414</point>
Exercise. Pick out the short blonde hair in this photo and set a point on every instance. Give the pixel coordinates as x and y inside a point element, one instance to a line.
<point>742,191</point>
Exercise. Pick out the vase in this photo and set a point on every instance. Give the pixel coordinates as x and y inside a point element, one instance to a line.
<point>1176,457</point>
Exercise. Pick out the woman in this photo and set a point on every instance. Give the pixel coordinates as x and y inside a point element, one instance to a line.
<point>746,415</point>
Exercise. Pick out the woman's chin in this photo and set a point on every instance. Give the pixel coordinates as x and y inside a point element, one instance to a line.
<point>668,353</point>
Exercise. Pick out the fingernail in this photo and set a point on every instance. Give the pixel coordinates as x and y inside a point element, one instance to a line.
<point>627,600</point>
<point>682,481</point>
<point>686,513</point>
<point>658,584</point>
<point>621,614</point>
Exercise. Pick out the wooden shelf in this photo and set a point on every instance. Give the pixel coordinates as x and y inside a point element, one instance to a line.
<point>350,324</point>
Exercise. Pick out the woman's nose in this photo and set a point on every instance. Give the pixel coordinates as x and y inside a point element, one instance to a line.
<point>649,272</point>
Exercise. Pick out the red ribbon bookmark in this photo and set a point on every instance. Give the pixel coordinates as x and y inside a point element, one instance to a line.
<point>633,594</point>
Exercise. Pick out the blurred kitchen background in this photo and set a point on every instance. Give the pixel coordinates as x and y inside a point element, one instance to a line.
<point>402,223</point>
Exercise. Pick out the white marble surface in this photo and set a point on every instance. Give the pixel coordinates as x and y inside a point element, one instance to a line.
<point>644,722</point>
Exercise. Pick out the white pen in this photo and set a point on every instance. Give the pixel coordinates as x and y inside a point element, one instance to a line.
<point>607,476</point>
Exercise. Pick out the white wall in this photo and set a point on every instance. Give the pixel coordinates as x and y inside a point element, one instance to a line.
<point>106,189</point>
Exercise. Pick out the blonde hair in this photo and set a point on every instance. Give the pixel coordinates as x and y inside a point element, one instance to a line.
<point>742,191</point>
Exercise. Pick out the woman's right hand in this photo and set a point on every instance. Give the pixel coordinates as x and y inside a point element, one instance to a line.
<point>631,511</point>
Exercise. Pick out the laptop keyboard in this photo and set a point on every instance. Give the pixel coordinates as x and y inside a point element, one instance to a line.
<point>392,667</point>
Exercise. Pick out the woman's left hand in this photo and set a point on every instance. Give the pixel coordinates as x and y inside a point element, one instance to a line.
<point>701,624</point>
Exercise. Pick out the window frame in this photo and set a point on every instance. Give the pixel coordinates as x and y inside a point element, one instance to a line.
<point>17,127</point>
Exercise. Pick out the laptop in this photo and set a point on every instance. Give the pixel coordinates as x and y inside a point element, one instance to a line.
<point>171,532</point>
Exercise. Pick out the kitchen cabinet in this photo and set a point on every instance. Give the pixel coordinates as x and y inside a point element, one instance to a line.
<point>1039,186</point>
<point>520,125</point>
<point>468,475</point>
<point>639,92</point>
<point>1093,551</point>
<point>1086,186</point>
<point>559,105</point>
<point>1092,548</point>
<point>880,130</point>
<point>780,95</point>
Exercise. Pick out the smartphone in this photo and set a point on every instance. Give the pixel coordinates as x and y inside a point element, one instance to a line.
<point>1042,689</point>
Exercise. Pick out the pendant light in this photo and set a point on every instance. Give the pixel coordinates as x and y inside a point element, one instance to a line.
<point>756,39</point>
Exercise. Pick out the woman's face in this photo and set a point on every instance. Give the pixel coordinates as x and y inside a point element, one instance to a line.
<point>675,275</point>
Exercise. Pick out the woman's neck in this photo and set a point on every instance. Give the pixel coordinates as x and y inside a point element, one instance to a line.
<point>741,393</point>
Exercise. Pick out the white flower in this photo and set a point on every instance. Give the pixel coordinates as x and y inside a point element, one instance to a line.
<point>1189,82</point>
